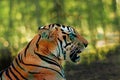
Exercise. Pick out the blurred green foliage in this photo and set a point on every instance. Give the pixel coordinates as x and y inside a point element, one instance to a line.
<point>97,20</point>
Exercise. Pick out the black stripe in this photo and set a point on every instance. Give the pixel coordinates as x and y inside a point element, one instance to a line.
<point>37,45</point>
<point>49,26</point>
<point>19,64</point>
<point>27,48</point>
<point>7,74</point>
<point>64,38</point>
<point>63,26</point>
<point>18,72</point>
<point>61,46</point>
<point>19,57</point>
<point>39,28</point>
<point>64,32</point>
<point>13,74</point>
<point>52,25</point>
<point>60,43</point>
<point>58,25</point>
<point>68,28</point>
<point>58,50</point>
<point>33,72</point>
<point>34,65</point>
<point>1,74</point>
<point>48,60</point>
<point>67,45</point>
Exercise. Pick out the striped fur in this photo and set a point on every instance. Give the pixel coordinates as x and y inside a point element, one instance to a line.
<point>42,58</point>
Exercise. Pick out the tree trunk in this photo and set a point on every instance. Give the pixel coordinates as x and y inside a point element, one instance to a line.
<point>116,18</point>
<point>59,11</point>
<point>102,19</point>
<point>91,23</point>
<point>38,12</point>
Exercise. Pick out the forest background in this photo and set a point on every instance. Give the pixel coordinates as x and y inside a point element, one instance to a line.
<point>97,20</point>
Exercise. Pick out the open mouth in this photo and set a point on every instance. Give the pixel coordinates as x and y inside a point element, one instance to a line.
<point>74,54</point>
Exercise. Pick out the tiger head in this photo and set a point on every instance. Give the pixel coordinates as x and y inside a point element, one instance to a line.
<point>61,41</point>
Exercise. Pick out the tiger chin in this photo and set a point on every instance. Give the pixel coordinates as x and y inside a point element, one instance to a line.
<point>42,58</point>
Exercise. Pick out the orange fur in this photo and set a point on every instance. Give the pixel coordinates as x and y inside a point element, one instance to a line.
<point>41,58</point>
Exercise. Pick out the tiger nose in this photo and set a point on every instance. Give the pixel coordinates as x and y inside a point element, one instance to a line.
<point>85,44</point>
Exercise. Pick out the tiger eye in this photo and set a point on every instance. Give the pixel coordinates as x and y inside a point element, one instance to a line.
<point>72,36</point>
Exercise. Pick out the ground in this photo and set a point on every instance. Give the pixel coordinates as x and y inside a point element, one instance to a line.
<point>108,69</point>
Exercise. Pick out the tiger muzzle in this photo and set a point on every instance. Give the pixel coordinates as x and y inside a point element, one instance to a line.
<point>74,53</point>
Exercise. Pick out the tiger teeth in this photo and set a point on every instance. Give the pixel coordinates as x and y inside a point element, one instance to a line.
<point>78,58</point>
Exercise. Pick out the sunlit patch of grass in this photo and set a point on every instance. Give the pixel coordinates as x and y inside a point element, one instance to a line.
<point>92,55</point>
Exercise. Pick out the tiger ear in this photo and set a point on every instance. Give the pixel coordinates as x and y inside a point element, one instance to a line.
<point>48,34</point>
<point>53,35</point>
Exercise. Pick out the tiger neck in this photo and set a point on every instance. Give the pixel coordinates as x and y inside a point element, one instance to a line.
<point>50,62</point>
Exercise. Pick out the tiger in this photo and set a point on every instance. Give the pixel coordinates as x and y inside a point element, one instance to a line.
<point>43,56</point>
